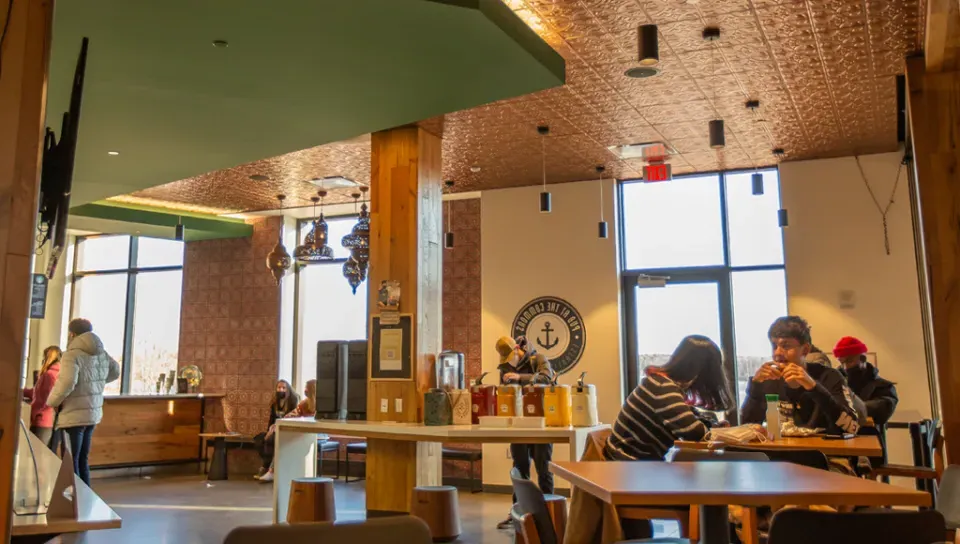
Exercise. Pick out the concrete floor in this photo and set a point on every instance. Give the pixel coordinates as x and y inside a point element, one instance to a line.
<point>187,510</point>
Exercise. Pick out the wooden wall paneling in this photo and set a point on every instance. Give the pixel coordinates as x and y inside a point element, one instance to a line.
<point>934,111</point>
<point>26,52</point>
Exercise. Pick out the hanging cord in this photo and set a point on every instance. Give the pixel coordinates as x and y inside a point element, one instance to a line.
<point>883,210</point>
<point>601,196</point>
<point>543,160</point>
<point>3,33</point>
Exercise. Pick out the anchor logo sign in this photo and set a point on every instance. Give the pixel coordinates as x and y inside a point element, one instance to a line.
<point>555,328</point>
<point>547,329</point>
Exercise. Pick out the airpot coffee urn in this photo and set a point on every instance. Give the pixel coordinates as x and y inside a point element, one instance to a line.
<point>450,371</point>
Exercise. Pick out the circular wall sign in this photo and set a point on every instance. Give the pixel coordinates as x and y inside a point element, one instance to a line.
<point>555,329</point>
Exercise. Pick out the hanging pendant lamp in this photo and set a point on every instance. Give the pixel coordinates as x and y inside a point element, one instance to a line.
<point>545,201</point>
<point>358,242</point>
<point>757,182</point>
<point>178,232</point>
<point>448,234</point>
<point>602,229</point>
<point>278,260</point>
<point>648,53</point>
<point>716,132</point>
<point>314,248</point>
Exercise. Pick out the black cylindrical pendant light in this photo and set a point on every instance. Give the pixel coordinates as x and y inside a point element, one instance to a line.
<point>757,179</point>
<point>782,218</point>
<point>179,231</point>
<point>717,138</point>
<point>648,46</point>
<point>448,240</point>
<point>602,230</point>
<point>545,204</point>
<point>448,235</point>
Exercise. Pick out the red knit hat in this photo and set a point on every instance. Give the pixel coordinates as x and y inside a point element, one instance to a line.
<point>849,346</point>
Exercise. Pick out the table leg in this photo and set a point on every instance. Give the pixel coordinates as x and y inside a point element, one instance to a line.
<point>578,444</point>
<point>218,466</point>
<point>714,524</point>
<point>295,456</point>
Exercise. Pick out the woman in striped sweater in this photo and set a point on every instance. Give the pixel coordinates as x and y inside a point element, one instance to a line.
<point>660,410</point>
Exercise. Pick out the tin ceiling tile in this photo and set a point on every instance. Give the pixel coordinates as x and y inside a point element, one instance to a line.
<point>822,70</point>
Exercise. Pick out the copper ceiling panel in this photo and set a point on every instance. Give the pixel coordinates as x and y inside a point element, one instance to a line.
<point>823,71</point>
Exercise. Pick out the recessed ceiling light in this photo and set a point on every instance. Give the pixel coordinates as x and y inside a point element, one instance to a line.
<point>221,44</point>
<point>334,182</point>
<point>259,177</point>
<point>113,153</point>
<point>640,72</point>
<point>474,169</point>
<point>643,151</point>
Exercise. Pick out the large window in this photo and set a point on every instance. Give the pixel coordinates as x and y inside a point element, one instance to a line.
<point>326,309</point>
<point>130,287</point>
<point>702,255</point>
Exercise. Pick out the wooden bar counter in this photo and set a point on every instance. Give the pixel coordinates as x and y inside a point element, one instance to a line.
<point>142,430</point>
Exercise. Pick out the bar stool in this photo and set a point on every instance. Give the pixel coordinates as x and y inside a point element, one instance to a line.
<point>437,506</point>
<point>311,500</point>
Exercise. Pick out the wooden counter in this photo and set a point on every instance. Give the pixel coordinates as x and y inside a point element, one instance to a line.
<point>149,430</point>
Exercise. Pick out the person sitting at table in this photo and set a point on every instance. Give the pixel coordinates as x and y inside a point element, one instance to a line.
<point>306,408</point>
<point>879,395</point>
<point>285,400</point>
<point>660,410</point>
<point>811,394</point>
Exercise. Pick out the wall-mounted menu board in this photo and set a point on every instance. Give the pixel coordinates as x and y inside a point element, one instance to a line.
<point>391,349</point>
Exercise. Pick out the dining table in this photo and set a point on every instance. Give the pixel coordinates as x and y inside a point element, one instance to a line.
<point>715,485</point>
<point>834,446</point>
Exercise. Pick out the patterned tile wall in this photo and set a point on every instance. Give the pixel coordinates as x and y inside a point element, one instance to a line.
<point>230,328</point>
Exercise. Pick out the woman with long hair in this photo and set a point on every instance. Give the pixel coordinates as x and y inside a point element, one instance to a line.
<point>307,406</point>
<point>660,410</point>
<point>42,416</point>
<point>285,401</point>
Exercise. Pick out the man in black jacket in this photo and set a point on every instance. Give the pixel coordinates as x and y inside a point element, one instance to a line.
<point>879,395</point>
<point>521,364</point>
<point>813,395</point>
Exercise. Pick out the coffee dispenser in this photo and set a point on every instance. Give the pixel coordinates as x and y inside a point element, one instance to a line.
<point>509,400</point>
<point>556,405</point>
<point>584,402</point>
<point>450,370</point>
<point>483,400</point>
<point>437,407</point>
<point>533,400</point>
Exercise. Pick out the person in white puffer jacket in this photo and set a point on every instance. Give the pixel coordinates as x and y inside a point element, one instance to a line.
<point>85,369</point>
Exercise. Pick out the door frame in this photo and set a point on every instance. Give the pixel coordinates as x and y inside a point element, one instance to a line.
<point>718,275</point>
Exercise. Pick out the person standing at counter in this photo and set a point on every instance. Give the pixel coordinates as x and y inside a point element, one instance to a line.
<point>42,416</point>
<point>285,401</point>
<point>85,370</point>
<point>521,364</point>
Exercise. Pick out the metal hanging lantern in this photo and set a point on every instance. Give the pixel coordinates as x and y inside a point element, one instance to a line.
<point>351,271</point>
<point>314,248</point>
<point>358,242</point>
<point>278,260</point>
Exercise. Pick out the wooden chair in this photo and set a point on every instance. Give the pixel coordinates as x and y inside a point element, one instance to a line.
<point>927,477</point>
<point>549,521</point>
<point>799,526</point>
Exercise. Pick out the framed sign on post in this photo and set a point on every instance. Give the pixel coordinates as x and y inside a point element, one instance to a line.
<point>38,296</point>
<point>391,349</point>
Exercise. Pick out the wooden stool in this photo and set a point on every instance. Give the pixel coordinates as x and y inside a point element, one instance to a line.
<point>437,506</point>
<point>311,500</point>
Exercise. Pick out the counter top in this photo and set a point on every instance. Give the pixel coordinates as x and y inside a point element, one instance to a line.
<point>418,432</point>
<point>166,397</point>
<point>93,514</point>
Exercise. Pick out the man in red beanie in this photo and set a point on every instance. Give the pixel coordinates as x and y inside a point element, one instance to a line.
<point>879,395</point>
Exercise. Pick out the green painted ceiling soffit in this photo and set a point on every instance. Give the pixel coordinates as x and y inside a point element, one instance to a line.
<point>296,74</point>
<point>196,226</point>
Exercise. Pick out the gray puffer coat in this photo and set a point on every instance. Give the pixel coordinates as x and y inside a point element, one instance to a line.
<point>85,369</point>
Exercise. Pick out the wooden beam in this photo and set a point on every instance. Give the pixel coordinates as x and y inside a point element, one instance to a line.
<point>25,56</point>
<point>405,231</point>
<point>933,100</point>
<point>942,37</point>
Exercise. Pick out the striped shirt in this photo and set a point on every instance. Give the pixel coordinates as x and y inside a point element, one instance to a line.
<point>652,418</point>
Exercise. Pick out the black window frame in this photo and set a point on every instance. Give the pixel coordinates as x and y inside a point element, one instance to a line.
<point>131,271</point>
<point>721,274</point>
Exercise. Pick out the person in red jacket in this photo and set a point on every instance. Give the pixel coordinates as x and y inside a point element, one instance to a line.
<point>41,415</point>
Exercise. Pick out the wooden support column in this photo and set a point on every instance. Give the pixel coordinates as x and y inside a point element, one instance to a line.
<point>934,110</point>
<point>23,82</point>
<point>405,232</point>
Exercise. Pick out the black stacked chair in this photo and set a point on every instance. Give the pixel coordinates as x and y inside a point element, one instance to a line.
<point>406,529</point>
<point>797,526</point>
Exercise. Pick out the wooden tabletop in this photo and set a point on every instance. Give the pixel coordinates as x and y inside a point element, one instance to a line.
<point>418,432</point>
<point>94,514</point>
<point>640,483</point>
<point>867,446</point>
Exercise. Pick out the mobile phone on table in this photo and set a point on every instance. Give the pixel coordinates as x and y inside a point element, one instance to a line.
<point>844,436</point>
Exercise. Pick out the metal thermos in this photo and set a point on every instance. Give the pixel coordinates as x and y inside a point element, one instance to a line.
<point>584,402</point>
<point>483,399</point>
<point>436,408</point>
<point>450,371</point>
<point>533,400</point>
<point>556,405</point>
<point>509,400</point>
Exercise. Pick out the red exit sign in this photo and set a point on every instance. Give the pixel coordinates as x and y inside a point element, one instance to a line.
<point>657,172</point>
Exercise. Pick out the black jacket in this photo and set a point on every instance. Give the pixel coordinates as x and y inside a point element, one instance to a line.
<point>533,368</point>
<point>878,394</point>
<point>829,405</point>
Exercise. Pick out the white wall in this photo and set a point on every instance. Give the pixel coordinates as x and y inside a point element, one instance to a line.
<point>49,331</point>
<point>835,243</point>
<point>526,254</point>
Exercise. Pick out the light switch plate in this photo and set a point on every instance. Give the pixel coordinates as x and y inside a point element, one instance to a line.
<point>398,405</point>
<point>384,406</point>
